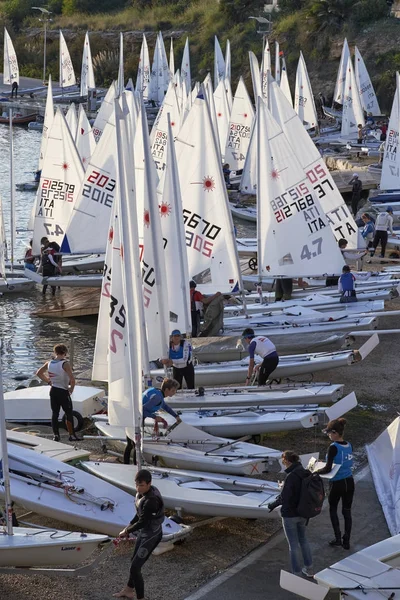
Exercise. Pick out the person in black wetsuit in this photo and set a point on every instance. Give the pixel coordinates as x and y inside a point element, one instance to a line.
<point>341,485</point>
<point>147,525</point>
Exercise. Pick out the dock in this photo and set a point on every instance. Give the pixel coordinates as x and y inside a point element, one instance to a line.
<point>69,303</point>
<point>369,181</point>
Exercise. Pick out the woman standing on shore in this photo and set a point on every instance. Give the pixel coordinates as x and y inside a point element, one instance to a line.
<point>340,452</point>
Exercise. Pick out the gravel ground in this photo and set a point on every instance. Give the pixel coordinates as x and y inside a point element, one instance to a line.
<point>212,548</point>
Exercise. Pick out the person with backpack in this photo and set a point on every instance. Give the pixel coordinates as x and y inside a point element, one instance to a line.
<point>341,484</point>
<point>294,525</point>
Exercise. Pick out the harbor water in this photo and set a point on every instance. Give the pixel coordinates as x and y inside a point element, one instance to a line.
<point>27,341</point>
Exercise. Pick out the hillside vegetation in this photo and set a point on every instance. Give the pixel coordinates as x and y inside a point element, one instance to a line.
<point>317,27</point>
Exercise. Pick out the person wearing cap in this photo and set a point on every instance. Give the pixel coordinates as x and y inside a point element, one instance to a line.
<point>262,346</point>
<point>384,221</point>
<point>341,485</point>
<point>197,300</point>
<point>180,359</point>
<point>356,192</point>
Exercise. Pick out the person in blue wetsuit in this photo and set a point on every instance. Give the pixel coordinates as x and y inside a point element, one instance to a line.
<point>341,485</point>
<point>152,402</point>
<point>262,346</point>
<point>181,359</point>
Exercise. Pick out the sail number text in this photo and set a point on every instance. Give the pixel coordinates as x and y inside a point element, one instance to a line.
<point>99,188</point>
<point>201,234</point>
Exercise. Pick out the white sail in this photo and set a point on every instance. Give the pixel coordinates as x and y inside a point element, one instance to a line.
<point>227,74</point>
<point>105,112</point>
<point>352,115</point>
<point>248,181</point>
<point>10,64</point>
<point>185,66</point>
<point>341,75</point>
<point>255,75</point>
<point>91,212</point>
<point>284,85</point>
<point>159,132</point>
<point>209,92</point>
<point>121,75</point>
<point>143,74</point>
<point>222,113</point>
<point>219,63</point>
<point>85,142</point>
<point>171,60</point>
<point>211,246</point>
<point>304,100</point>
<point>336,210</point>
<point>294,237</point>
<point>173,232</point>
<point>159,73</point>
<point>390,178</point>
<point>87,73</point>
<point>47,123</point>
<point>229,96</point>
<point>72,119</point>
<point>60,184</point>
<point>277,64</point>
<point>239,130</point>
<point>365,88</point>
<point>265,69</point>
<point>67,74</point>
<point>152,253</point>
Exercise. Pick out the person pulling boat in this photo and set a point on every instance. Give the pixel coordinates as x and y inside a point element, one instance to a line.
<point>262,346</point>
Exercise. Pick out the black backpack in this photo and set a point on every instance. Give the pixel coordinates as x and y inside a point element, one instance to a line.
<point>312,496</point>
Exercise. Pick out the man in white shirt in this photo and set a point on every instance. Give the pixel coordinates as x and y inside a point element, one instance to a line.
<point>384,221</point>
<point>262,346</point>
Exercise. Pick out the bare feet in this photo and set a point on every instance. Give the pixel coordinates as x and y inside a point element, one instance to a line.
<point>126,592</point>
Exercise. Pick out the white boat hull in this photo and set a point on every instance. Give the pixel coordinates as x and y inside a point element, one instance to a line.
<point>186,447</point>
<point>14,285</point>
<point>63,452</point>
<point>30,405</point>
<point>199,493</point>
<point>45,486</point>
<point>29,547</point>
<point>245,213</point>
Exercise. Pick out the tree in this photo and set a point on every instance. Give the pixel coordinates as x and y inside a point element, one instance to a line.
<point>239,10</point>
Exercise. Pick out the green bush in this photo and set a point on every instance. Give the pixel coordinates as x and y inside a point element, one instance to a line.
<point>17,11</point>
<point>367,11</point>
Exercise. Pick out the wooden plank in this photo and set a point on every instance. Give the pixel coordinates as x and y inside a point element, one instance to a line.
<point>70,302</point>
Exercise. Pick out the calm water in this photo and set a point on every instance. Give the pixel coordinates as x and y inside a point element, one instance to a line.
<point>27,341</point>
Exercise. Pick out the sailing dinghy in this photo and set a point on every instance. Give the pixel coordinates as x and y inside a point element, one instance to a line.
<point>199,493</point>
<point>297,364</point>
<point>26,547</point>
<point>73,496</point>
<point>186,447</point>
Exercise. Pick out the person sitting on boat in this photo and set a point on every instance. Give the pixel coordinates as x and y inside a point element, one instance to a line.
<point>38,174</point>
<point>227,174</point>
<point>368,231</point>
<point>153,401</point>
<point>262,346</point>
<point>346,285</point>
<point>29,259</point>
<point>384,221</point>
<point>180,359</point>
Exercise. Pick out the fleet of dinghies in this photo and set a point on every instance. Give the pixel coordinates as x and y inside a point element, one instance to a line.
<point>152,210</point>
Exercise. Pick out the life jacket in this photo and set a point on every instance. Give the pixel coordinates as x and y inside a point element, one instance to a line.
<point>182,356</point>
<point>344,458</point>
<point>347,281</point>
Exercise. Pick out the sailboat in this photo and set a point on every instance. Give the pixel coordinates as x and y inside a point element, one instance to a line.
<point>66,70</point>
<point>338,95</point>
<point>304,103</point>
<point>219,63</point>
<point>87,73</point>
<point>239,128</point>
<point>185,66</point>
<point>28,547</point>
<point>353,114</point>
<point>143,73</point>
<point>365,88</point>
<point>10,63</point>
